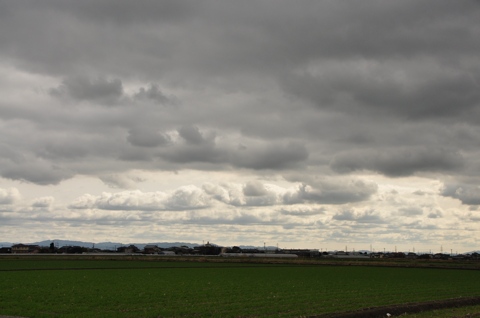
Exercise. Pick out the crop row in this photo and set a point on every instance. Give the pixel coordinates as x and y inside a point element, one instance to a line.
<point>222,291</point>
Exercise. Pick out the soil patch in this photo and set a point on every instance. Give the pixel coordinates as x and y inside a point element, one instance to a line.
<point>397,310</point>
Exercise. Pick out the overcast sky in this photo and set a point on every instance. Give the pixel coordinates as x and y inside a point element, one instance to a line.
<point>319,124</point>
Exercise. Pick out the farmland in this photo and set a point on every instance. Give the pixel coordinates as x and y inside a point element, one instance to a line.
<point>56,287</point>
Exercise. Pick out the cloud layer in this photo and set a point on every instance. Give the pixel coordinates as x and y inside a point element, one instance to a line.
<point>283,116</point>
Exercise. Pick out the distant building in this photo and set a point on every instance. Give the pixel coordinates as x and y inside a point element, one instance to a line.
<point>128,249</point>
<point>25,249</point>
<point>260,255</point>
<point>151,249</point>
<point>302,252</point>
<point>72,250</point>
<point>5,250</point>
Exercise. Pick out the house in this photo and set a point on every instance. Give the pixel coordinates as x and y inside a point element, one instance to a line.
<point>128,249</point>
<point>411,255</point>
<point>207,249</point>
<point>151,249</point>
<point>25,249</point>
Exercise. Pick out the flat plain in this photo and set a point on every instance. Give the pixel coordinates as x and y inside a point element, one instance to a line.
<point>147,287</point>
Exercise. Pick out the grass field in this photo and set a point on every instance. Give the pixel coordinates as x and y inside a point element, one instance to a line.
<point>136,288</point>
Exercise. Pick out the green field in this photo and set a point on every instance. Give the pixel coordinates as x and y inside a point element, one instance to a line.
<point>137,288</point>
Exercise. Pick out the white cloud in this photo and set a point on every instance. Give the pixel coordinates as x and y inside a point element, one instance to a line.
<point>9,196</point>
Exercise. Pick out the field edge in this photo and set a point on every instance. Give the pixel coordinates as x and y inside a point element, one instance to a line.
<point>402,309</point>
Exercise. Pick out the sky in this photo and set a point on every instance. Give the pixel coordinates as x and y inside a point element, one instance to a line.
<point>303,124</point>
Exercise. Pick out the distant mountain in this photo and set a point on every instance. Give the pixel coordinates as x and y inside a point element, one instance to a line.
<point>60,243</point>
<point>114,245</point>
<point>101,245</point>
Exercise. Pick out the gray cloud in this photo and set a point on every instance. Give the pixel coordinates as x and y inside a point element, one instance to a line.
<point>435,214</point>
<point>271,156</point>
<point>302,211</point>
<point>467,193</point>
<point>199,146</point>
<point>35,171</point>
<point>333,191</point>
<point>147,137</point>
<point>43,202</point>
<point>193,136</point>
<point>82,88</point>
<point>152,93</point>
<point>411,211</point>
<point>121,181</point>
<point>329,192</point>
<point>398,162</point>
<point>254,189</point>
<point>367,105</point>
<point>404,89</point>
<point>368,216</point>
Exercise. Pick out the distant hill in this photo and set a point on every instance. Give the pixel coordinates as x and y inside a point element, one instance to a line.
<point>114,245</point>
<point>478,252</point>
<point>101,245</point>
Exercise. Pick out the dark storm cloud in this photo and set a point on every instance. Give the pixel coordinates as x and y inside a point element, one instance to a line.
<point>398,162</point>
<point>229,36</point>
<point>391,90</point>
<point>251,71</point>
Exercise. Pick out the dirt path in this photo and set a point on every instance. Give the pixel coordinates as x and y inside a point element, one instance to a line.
<point>381,312</point>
